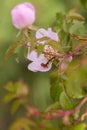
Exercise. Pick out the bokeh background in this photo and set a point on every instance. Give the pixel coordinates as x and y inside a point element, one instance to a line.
<point>10,69</point>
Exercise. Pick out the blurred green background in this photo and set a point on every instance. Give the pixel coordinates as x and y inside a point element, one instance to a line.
<point>10,70</point>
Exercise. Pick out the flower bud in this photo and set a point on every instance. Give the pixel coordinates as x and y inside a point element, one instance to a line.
<point>23,15</point>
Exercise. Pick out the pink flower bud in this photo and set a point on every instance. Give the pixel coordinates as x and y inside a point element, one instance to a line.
<point>23,15</point>
<point>65,63</point>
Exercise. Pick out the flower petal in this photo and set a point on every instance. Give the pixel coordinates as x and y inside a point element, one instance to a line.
<point>41,33</point>
<point>33,67</point>
<point>63,66</point>
<point>23,15</point>
<point>69,58</point>
<point>53,35</point>
<point>65,63</point>
<point>37,66</point>
<point>46,33</point>
<point>33,56</point>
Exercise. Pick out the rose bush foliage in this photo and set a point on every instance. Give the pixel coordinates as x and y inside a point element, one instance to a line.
<point>63,46</point>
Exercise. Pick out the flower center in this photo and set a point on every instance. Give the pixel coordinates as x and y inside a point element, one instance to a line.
<point>49,51</point>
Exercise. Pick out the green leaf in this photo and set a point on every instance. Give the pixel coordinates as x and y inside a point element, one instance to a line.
<point>77,28</point>
<point>67,26</point>
<point>66,41</point>
<point>59,20</point>
<point>22,123</point>
<point>56,87</point>
<point>74,83</point>
<point>15,90</point>
<point>32,46</point>
<point>11,49</point>
<point>57,45</point>
<point>16,104</point>
<point>17,49</point>
<point>40,48</point>
<point>12,87</point>
<point>81,126</point>
<point>9,97</point>
<point>9,87</point>
<point>75,16</point>
<point>65,102</point>
<point>55,105</point>
<point>62,34</point>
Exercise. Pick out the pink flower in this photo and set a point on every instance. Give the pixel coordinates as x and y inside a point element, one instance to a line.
<point>23,15</point>
<point>42,62</point>
<point>47,33</point>
<point>65,63</point>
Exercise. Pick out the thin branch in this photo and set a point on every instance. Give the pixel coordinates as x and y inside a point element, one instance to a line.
<point>79,38</point>
<point>81,104</point>
<point>54,55</point>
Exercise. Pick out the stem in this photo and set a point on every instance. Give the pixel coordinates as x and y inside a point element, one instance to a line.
<point>54,55</point>
<point>77,49</point>
<point>46,53</point>
<point>79,38</point>
<point>81,104</point>
<point>50,60</point>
